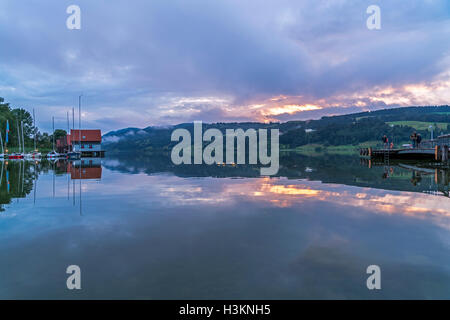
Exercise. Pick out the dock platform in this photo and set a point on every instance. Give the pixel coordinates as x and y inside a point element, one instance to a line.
<point>409,153</point>
<point>436,150</point>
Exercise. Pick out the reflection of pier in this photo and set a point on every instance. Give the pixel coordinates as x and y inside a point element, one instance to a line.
<point>438,174</point>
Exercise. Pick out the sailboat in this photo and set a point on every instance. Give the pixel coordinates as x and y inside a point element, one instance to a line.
<point>53,154</point>
<point>35,154</point>
<point>17,155</point>
<point>75,155</point>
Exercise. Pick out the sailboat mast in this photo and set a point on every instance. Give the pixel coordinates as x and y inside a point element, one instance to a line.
<point>7,135</point>
<point>18,134</point>
<point>79,120</point>
<point>68,131</point>
<point>1,140</point>
<point>23,137</point>
<point>34,130</point>
<point>53,121</point>
<point>73,128</point>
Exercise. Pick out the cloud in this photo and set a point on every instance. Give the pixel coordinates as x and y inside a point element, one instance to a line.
<point>163,62</point>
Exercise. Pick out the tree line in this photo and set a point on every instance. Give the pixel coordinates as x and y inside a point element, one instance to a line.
<point>15,116</point>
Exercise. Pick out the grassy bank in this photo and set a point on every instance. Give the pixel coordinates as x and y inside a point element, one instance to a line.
<point>319,149</point>
<point>419,125</point>
<point>15,149</point>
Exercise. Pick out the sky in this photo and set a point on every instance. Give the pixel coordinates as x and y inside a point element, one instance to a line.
<point>162,62</point>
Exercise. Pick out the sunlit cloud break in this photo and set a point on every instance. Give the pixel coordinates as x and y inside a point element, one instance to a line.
<point>290,108</point>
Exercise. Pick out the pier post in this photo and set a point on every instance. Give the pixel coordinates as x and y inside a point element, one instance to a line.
<point>436,152</point>
<point>438,176</point>
<point>444,154</point>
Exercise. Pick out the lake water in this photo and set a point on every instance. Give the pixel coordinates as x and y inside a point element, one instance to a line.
<point>146,229</point>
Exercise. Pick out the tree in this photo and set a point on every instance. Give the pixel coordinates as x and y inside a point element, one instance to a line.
<point>59,133</point>
<point>43,140</point>
<point>14,117</point>
<point>23,115</point>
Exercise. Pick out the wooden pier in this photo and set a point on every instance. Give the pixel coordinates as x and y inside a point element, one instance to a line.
<point>437,150</point>
<point>420,154</point>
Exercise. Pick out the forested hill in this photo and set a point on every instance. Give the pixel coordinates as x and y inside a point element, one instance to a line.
<point>350,129</point>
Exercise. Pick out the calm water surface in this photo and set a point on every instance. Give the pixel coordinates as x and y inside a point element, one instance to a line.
<point>143,228</point>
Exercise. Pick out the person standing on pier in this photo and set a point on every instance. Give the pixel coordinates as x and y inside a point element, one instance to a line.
<point>385,141</point>
<point>418,139</point>
<point>413,138</point>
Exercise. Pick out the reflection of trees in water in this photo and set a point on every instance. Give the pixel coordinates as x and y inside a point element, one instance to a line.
<point>20,178</point>
<point>16,180</point>
<point>59,167</point>
<point>341,169</point>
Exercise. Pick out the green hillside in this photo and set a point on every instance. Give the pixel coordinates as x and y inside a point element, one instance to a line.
<point>421,125</point>
<point>341,134</point>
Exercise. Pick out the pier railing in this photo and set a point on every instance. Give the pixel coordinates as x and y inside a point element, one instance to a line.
<point>443,140</point>
<point>428,144</point>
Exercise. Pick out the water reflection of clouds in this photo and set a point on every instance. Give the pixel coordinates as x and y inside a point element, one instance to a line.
<point>410,204</point>
<point>278,192</point>
<point>241,238</point>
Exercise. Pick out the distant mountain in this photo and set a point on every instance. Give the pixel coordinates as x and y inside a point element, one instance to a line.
<point>333,130</point>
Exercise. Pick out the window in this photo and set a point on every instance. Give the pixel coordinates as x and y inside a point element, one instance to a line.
<point>90,146</point>
<point>82,146</point>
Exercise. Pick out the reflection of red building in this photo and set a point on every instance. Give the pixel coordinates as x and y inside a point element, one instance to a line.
<point>86,171</point>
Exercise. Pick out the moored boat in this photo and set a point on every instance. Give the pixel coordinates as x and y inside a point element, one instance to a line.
<point>53,155</point>
<point>16,155</point>
<point>33,155</point>
<point>73,155</point>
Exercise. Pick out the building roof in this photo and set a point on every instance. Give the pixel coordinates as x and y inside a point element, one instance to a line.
<point>86,135</point>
